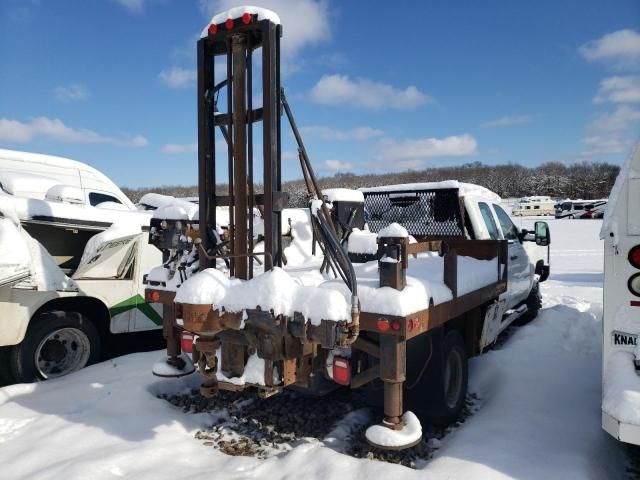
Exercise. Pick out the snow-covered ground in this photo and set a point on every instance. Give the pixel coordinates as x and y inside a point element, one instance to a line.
<point>538,417</point>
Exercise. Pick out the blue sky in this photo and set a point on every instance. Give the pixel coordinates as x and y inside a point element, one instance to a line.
<point>375,86</point>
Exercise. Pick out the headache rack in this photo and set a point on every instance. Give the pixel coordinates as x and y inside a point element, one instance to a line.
<point>426,213</point>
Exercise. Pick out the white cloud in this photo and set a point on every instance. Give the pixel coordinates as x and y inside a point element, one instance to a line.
<point>624,89</point>
<point>55,129</point>
<point>134,6</point>
<point>180,148</point>
<point>414,151</point>
<point>618,121</point>
<point>290,155</point>
<point>612,132</point>
<point>71,93</point>
<point>327,133</point>
<point>178,77</point>
<point>136,141</point>
<point>605,145</point>
<point>365,93</point>
<point>508,120</point>
<point>306,22</point>
<point>620,49</point>
<point>337,166</point>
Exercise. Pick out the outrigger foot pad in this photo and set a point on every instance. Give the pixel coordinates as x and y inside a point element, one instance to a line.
<point>385,437</point>
<point>173,367</point>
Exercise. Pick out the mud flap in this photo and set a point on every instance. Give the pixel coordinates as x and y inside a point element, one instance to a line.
<point>423,380</point>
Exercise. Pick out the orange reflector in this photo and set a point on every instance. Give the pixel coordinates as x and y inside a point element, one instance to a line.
<point>186,342</point>
<point>341,371</point>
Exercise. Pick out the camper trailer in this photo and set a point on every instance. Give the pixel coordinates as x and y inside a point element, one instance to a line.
<point>533,206</point>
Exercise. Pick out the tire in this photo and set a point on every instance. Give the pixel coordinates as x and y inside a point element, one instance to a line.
<point>439,396</point>
<point>534,304</point>
<point>456,378</point>
<point>56,344</point>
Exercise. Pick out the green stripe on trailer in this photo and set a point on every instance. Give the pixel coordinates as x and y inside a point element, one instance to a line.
<point>137,301</point>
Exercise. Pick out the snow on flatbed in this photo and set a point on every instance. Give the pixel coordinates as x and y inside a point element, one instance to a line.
<point>539,407</point>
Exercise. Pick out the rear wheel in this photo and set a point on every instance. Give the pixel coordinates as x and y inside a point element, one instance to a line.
<point>437,391</point>
<point>56,344</point>
<point>456,377</point>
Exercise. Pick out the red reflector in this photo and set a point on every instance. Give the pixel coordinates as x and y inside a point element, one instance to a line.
<point>213,29</point>
<point>634,256</point>
<point>341,371</point>
<point>246,18</point>
<point>396,325</point>
<point>186,342</point>
<point>229,23</point>
<point>635,303</point>
<point>383,324</point>
<point>155,296</point>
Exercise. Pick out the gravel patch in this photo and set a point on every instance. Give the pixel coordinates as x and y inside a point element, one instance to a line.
<point>249,426</point>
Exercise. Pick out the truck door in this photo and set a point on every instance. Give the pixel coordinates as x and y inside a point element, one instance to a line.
<point>520,275</point>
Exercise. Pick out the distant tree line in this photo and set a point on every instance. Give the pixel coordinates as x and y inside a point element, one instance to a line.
<point>586,180</point>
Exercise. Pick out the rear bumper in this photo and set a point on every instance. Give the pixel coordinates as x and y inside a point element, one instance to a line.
<point>625,432</point>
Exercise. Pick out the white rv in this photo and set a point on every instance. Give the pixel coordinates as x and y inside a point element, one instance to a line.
<point>533,206</point>
<point>621,321</point>
<point>571,208</point>
<point>70,272</point>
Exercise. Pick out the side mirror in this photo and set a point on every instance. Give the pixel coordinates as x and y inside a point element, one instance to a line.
<point>523,234</point>
<point>542,234</point>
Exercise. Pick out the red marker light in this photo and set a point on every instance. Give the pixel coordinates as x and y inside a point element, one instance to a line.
<point>383,324</point>
<point>634,256</point>
<point>341,370</point>
<point>186,342</point>
<point>213,29</point>
<point>246,18</point>
<point>229,23</point>
<point>396,325</point>
<point>155,296</point>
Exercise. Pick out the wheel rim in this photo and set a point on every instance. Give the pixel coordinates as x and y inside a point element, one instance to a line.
<point>453,378</point>
<point>61,352</point>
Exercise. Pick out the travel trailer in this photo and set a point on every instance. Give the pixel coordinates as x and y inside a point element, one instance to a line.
<point>533,206</point>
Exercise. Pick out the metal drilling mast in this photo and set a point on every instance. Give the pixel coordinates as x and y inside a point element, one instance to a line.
<point>236,41</point>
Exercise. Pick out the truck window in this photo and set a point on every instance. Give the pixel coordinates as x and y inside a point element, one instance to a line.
<point>98,198</point>
<point>509,230</point>
<point>488,221</point>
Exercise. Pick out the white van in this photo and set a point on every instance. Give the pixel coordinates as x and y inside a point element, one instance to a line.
<point>533,206</point>
<point>621,312</point>
<point>32,175</point>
